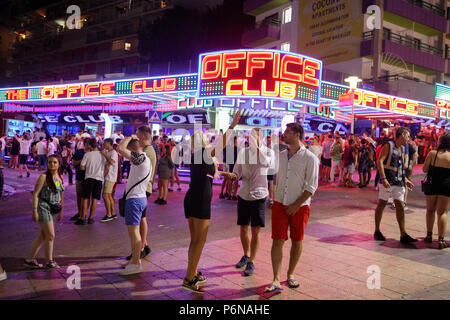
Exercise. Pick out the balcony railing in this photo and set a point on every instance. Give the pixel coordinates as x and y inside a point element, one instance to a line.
<point>405,41</point>
<point>429,6</point>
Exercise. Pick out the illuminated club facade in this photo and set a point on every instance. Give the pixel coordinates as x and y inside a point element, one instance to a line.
<point>271,88</point>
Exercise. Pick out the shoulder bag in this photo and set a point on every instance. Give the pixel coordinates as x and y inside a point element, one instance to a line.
<point>427,182</point>
<point>123,199</point>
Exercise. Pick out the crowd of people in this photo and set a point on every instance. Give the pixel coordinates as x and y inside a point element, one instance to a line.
<point>282,172</point>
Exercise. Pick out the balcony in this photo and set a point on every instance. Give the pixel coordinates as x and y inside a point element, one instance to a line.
<point>257,7</point>
<point>429,19</point>
<point>267,32</point>
<point>411,50</point>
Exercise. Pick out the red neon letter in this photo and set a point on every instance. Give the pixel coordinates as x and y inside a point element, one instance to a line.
<point>59,91</point>
<point>171,84</point>
<point>310,71</point>
<point>91,86</point>
<point>47,93</point>
<point>286,75</point>
<point>230,61</point>
<point>72,89</point>
<point>255,60</point>
<point>216,60</point>
<point>369,97</point>
<point>106,88</point>
<point>145,88</point>
<point>231,92</point>
<point>411,107</point>
<point>276,65</point>
<point>155,85</point>
<point>136,87</point>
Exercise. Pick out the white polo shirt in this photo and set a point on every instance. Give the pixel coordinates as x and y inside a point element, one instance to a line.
<point>295,175</point>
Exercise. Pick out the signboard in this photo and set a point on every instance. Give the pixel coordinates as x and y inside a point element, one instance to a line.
<point>244,103</point>
<point>443,109</point>
<point>155,117</point>
<point>101,89</point>
<point>260,122</point>
<point>345,99</point>
<point>395,104</point>
<point>260,73</point>
<point>69,118</point>
<point>185,118</point>
<point>325,126</point>
<point>330,30</point>
<point>322,111</point>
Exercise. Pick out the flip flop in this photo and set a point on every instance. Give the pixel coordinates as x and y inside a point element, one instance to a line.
<point>292,283</point>
<point>272,289</point>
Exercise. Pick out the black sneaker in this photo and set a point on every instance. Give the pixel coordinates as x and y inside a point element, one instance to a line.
<point>114,217</point>
<point>147,250</point>
<point>90,221</point>
<point>163,202</point>
<point>80,222</point>
<point>143,255</point>
<point>244,260</point>
<point>129,257</point>
<point>221,196</point>
<point>250,269</point>
<point>107,219</point>
<point>75,217</point>
<point>407,239</point>
<point>28,174</point>
<point>157,201</point>
<point>229,198</point>
<point>170,190</point>
<point>226,195</point>
<point>234,198</point>
<point>379,236</point>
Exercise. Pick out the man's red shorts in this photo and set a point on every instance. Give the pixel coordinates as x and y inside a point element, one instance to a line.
<point>281,221</point>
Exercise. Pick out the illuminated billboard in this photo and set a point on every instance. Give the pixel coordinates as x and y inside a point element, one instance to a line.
<point>260,73</point>
<point>101,89</point>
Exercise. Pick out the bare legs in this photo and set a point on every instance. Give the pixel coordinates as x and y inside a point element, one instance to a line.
<point>277,257</point>
<point>135,240</point>
<point>250,247</point>
<point>198,229</point>
<point>45,237</point>
<point>438,204</point>
<point>86,206</point>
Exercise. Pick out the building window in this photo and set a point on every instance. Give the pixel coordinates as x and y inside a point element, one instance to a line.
<point>127,46</point>
<point>287,15</point>
<point>117,45</point>
<point>286,46</point>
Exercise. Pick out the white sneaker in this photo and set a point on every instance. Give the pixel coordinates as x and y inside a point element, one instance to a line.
<point>3,276</point>
<point>131,269</point>
<point>405,208</point>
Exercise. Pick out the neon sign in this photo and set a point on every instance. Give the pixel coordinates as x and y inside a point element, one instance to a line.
<point>322,111</point>
<point>443,109</point>
<point>260,73</point>
<point>101,89</point>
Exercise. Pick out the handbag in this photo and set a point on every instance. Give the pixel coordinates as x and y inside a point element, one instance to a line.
<point>123,199</point>
<point>427,185</point>
<point>55,208</point>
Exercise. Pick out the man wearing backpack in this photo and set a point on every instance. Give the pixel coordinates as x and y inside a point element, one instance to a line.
<point>391,166</point>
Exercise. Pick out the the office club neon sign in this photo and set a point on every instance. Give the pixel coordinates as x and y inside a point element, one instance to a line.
<point>260,73</point>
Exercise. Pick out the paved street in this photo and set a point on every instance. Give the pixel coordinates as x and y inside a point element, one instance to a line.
<point>338,249</point>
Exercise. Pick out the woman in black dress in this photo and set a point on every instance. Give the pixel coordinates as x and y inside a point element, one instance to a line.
<point>197,202</point>
<point>437,164</point>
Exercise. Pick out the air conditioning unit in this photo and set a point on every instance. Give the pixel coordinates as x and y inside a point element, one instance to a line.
<point>114,75</point>
<point>87,77</point>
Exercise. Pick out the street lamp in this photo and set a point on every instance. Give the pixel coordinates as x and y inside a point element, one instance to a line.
<point>353,83</point>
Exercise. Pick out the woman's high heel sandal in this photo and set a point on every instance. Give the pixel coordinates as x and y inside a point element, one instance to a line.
<point>442,244</point>
<point>429,237</point>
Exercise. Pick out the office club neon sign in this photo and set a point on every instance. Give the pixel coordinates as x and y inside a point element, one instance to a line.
<point>102,89</point>
<point>260,73</point>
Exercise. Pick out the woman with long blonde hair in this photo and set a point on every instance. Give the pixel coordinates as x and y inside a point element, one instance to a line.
<point>197,202</point>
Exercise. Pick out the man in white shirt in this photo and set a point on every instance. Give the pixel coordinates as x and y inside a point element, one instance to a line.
<point>117,135</point>
<point>93,164</point>
<point>110,181</point>
<point>41,149</point>
<point>136,200</point>
<point>51,147</point>
<point>25,143</point>
<point>297,181</point>
<point>252,165</point>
